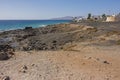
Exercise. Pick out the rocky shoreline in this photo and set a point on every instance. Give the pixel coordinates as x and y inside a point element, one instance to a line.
<point>56,37</point>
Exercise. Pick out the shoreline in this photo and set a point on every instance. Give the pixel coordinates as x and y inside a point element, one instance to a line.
<point>63,33</point>
<point>30,25</point>
<point>81,23</point>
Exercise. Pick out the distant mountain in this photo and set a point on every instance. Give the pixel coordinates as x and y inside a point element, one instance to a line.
<point>66,18</point>
<point>63,18</point>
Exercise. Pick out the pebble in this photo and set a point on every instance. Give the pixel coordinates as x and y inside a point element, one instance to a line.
<point>106,62</point>
<point>6,78</point>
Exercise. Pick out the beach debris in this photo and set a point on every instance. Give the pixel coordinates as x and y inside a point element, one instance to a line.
<point>106,62</point>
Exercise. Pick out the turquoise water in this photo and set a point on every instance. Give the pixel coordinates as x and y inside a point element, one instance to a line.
<point>20,24</point>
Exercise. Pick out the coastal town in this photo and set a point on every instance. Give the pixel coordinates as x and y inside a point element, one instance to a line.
<point>102,18</point>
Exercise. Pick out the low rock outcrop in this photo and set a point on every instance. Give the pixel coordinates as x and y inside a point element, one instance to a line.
<point>6,52</point>
<point>54,37</point>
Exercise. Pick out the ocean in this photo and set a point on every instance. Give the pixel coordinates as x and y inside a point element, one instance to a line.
<point>21,24</point>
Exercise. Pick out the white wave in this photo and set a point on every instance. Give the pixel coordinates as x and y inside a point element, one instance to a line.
<point>42,25</point>
<point>1,30</point>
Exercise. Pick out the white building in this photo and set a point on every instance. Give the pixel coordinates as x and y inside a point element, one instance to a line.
<point>111,18</point>
<point>78,19</point>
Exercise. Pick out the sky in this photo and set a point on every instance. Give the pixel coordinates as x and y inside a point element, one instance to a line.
<point>46,9</point>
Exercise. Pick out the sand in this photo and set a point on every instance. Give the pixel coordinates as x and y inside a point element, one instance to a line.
<point>80,63</point>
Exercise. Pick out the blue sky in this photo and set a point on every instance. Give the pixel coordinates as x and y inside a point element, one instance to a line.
<point>45,9</point>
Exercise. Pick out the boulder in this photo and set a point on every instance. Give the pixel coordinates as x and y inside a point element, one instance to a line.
<point>28,27</point>
<point>3,56</point>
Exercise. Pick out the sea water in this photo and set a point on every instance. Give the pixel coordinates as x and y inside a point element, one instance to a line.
<point>21,24</point>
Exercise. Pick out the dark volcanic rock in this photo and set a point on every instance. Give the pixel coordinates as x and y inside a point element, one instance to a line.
<point>5,48</point>
<point>26,28</point>
<point>6,52</point>
<point>3,56</point>
<point>54,37</point>
<point>106,62</point>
